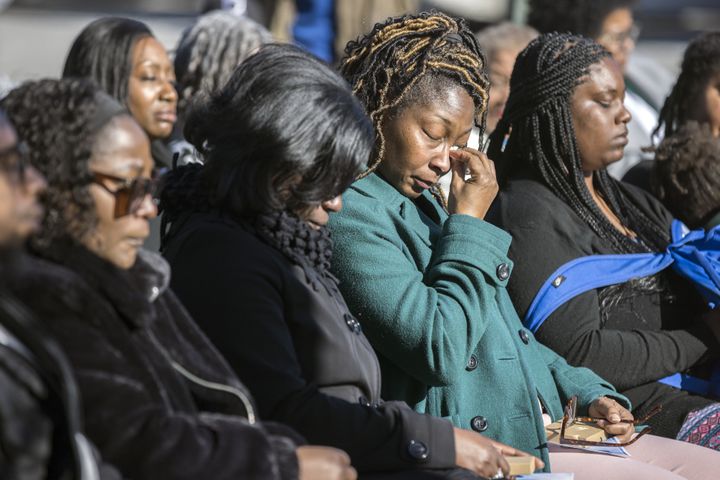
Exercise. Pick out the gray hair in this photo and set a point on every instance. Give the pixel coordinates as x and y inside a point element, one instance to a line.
<point>504,36</point>
<point>210,50</point>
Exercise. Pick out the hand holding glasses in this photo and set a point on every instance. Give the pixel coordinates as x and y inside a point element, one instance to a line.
<point>570,418</point>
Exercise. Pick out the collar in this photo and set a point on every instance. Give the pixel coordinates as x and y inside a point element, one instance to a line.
<point>131,292</point>
<point>377,187</point>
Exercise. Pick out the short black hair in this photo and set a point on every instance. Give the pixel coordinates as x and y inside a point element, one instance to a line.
<point>686,176</point>
<point>579,17</point>
<point>700,62</point>
<point>284,133</point>
<point>55,119</point>
<point>103,52</point>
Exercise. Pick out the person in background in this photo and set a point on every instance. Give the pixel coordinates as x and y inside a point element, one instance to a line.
<point>158,400</point>
<point>501,44</point>
<point>250,253</point>
<point>124,58</point>
<point>687,175</point>
<point>206,55</point>
<point>696,94</point>
<point>611,24</point>
<point>565,122</point>
<point>695,97</point>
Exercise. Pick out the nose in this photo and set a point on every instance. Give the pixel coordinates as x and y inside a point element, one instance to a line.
<point>168,92</point>
<point>148,208</point>
<point>440,162</point>
<point>333,205</point>
<point>625,115</point>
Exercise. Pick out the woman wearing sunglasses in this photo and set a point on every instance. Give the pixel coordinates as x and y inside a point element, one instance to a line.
<point>159,401</point>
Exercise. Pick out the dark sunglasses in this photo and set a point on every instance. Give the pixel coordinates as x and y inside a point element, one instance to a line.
<point>131,192</point>
<point>569,418</point>
<point>14,160</point>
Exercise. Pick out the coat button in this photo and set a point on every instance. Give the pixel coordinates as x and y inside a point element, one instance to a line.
<point>472,363</point>
<point>479,423</point>
<point>503,271</point>
<point>352,324</point>
<point>417,450</point>
<point>524,336</point>
<point>364,401</point>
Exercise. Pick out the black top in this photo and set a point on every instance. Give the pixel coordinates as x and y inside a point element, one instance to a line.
<point>630,334</point>
<point>281,322</point>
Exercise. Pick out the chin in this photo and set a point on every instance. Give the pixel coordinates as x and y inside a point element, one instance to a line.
<point>124,261</point>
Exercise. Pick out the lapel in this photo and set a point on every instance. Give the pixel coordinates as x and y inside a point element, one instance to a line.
<point>414,219</point>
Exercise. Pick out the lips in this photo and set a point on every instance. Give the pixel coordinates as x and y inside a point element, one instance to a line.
<point>166,116</point>
<point>621,140</point>
<point>424,184</point>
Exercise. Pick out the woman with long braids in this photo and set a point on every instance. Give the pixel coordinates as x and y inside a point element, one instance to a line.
<point>428,284</point>
<point>565,122</point>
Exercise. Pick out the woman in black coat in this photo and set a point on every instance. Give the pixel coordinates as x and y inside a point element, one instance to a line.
<point>159,401</point>
<point>251,255</point>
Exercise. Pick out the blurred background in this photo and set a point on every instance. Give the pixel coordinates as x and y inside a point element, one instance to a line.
<point>36,34</point>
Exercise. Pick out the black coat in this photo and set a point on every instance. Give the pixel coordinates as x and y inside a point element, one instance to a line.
<point>291,338</point>
<point>41,433</point>
<point>633,341</point>
<point>159,401</point>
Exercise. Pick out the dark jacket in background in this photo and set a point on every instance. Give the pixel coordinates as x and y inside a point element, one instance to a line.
<point>41,433</point>
<point>289,335</point>
<point>159,401</point>
<point>636,338</point>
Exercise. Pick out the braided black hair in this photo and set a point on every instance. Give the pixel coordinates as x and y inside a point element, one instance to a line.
<point>700,63</point>
<point>580,17</point>
<point>686,176</point>
<point>385,65</point>
<point>54,118</point>
<point>536,138</point>
<point>211,49</point>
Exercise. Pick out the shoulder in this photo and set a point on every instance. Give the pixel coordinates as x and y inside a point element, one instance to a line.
<point>217,242</point>
<point>529,205</point>
<point>647,202</point>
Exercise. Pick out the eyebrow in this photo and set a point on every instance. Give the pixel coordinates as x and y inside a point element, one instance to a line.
<point>447,121</point>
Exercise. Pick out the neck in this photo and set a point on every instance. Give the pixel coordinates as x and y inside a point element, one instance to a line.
<point>588,177</point>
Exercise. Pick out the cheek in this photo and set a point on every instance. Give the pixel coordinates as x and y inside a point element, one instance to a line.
<point>139,101</point>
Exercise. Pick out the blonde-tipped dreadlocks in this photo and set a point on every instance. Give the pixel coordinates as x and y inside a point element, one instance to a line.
<point>384,65</point>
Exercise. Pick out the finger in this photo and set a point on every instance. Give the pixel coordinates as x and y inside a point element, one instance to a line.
<point>504,465</point>
<point>539,463</point>
<point>618,428</point>
<point>350,474</point>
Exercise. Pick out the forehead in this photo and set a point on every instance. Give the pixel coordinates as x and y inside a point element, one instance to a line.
<point>603,76</point>
<point>617,20</point>
<point>443,98</point>
<point>122,146</point>
<point>149,50</point>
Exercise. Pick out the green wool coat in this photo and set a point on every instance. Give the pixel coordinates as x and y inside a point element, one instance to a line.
<point>432,299</point>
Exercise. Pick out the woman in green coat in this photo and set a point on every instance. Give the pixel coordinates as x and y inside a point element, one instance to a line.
<point>428,287</point>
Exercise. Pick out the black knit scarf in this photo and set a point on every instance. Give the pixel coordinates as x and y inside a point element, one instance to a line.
<point>296,240</point>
